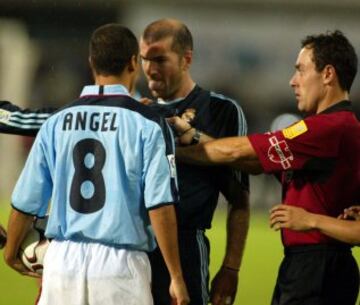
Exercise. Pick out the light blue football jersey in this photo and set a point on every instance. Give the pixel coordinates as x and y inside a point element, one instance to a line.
<point>104,161</point>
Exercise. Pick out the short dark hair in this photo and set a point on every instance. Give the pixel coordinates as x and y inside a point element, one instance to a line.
<point>163,28</point>
<point>333,48</point>
<point>111,48</point>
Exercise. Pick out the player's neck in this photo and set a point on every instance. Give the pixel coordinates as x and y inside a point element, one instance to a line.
<point>187,86</point>
<point>332,98</point>
<point>102,80</point>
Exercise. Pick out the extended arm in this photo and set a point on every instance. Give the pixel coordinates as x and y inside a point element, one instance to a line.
<point>295,218</point>
<point>224,285</point>
<point>19,224</point>
<point>163,221</point>
<point>22,121</point>
<point>236,152</point>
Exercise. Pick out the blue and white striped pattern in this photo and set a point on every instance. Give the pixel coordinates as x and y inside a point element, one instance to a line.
<point>204,265</point>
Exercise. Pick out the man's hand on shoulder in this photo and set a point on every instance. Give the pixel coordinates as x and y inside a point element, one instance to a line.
<point>351,213</point>
<point>146,101</point>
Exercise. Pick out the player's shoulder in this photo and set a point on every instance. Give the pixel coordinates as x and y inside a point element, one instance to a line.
<point>224,101</point>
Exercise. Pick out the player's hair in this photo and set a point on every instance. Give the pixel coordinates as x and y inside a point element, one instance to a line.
<point>111,48</point>
<point>163,28</point>
<point>333,48</point>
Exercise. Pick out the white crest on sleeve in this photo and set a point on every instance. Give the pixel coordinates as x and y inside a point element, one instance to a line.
<point>279,152</point>
<point>172,165</point>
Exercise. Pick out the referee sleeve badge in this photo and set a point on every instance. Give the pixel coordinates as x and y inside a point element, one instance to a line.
<point>295,130</point>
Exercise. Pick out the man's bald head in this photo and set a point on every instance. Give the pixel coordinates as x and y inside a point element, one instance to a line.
<point>164,28</point>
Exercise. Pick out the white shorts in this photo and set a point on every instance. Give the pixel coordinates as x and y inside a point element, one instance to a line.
<point>93,274</point>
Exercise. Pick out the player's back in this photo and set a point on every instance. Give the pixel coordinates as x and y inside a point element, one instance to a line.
<point>106,158</point>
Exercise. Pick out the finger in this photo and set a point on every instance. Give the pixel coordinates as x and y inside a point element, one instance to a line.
<point>277,226</point>
<point>277,214</point>
<point>146,101</point>
<point>355,208</point>
<point>278,207</point>
<point>216,299</point>
<point>280,218</point>
<point>229,300</point>
<point>350,214</point>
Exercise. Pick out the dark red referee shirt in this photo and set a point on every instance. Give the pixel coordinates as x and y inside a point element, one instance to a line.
<point>318,160</point>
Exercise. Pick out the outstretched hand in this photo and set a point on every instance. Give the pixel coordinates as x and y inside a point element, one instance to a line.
<point>224,287</point>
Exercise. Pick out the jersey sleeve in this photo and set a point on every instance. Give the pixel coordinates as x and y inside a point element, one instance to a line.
<point>34,187</point>
<point>306,145</point>
<point>26,122</point>
<point>159,167</point>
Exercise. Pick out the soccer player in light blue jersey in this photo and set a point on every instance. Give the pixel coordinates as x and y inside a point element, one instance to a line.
<point>107,163</point>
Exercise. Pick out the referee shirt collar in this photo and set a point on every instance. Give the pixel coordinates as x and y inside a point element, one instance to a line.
<point>104,90</point>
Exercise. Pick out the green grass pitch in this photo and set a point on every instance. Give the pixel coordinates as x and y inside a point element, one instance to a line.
<point>257,276</point>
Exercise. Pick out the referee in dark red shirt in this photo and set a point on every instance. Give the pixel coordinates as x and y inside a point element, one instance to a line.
<point>318,163</point>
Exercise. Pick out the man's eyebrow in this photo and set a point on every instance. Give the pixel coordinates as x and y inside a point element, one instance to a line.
<point>152,58</point>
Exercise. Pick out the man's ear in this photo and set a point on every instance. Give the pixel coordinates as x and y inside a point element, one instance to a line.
<point>133,63</point>
<point>329,74</point>
<point>187,59</point>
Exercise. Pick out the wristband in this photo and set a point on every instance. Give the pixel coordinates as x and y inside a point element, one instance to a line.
<point>231,269</point>
<point>187,130</point>
<point>196,137</point>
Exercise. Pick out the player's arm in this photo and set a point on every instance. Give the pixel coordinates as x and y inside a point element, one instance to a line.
<point>186,133</point>
<point>163,221</point>
<point>236,152</point>
<point>225,282</point>
<point>19,223</point>
<point>22,121</point>
<point>2,237</point>
<point>295,218</point>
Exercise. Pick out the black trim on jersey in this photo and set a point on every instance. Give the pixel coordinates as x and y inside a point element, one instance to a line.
<point>340,106</point>
<point>126,102</point>
<point>160,206</point>
<point>101,89</point>
<point>26,213</point>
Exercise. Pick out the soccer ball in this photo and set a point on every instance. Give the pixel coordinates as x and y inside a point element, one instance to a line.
<point>33,248</point>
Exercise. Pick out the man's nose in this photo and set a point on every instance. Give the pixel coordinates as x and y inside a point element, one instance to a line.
<point>292,81</point>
